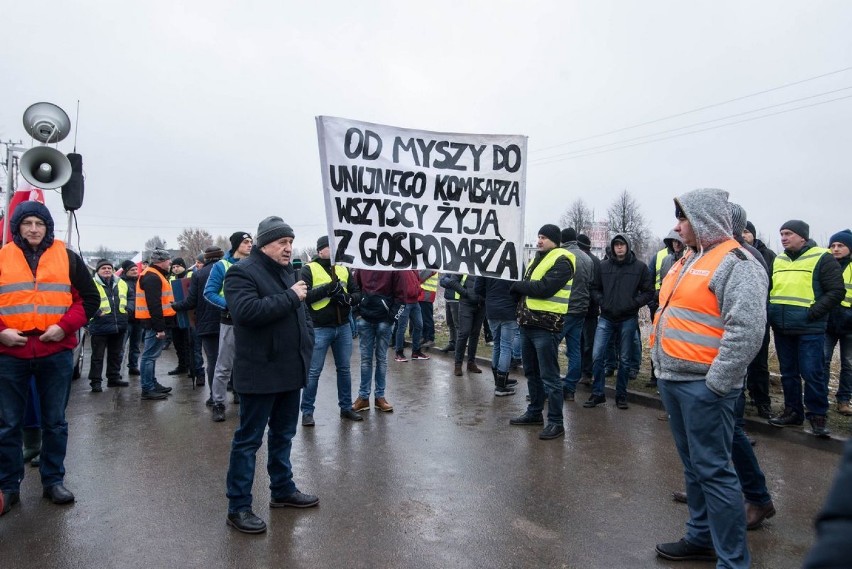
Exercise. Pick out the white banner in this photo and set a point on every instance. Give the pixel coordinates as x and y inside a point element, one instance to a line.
<point>397,198</point>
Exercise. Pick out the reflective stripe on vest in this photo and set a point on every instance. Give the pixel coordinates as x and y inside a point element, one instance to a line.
<point>847,280</point>
<point>558,303</point>
<point>457,295</point>
<point>692,322</point>
<point>227,264</point>
<point>34,303</point>
<point>105,307</point>
<point>658,265</point>
<point>793,281</point>
<point>429,288</point>
<point>167,298</point>
<point>320,277</point>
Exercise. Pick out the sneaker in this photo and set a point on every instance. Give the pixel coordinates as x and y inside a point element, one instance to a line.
<point>788,418</point>
<point>382,404</point>
<point>684,551</point>
<point>419,356</point>
<point>503,391</point>
<point>361,404</point>
<point>400,357</point>
<point>594,401</point>
<point>819,426</point>
<point>308,420</point>
<point>621,402</point>
<point>844,408</point>
<point>218,412</point>
<point>528,419</point>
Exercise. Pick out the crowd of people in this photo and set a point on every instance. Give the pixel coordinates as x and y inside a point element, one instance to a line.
<point>261,327</point>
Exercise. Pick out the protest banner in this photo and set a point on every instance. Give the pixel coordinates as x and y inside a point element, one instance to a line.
<point>399,198</point>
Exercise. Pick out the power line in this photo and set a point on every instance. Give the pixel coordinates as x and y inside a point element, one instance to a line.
<point>696,131</point>
<point>546,159</point>
<point>784,86</point>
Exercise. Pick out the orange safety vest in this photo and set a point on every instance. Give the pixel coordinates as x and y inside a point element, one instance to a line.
<point>693,323</point>
<point>167,298</point>
<point>32,304</point>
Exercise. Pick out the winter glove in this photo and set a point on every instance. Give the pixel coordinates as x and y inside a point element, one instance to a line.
<point>343,299</point>
<point>334,288</point>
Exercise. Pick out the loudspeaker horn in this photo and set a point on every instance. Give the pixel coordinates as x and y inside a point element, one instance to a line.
<point>46,122</point>
<point>45,168</point>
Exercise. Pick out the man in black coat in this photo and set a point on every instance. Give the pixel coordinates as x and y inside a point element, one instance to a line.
<point>273,342</point>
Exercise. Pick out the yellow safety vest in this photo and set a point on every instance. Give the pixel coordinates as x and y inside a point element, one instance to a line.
<point>227,264</point>
<point>320,277</point>
<point>558,303</point>
<point>122,297</point>
<point>457,295</point>
<point>792,281</point>
<point>658,265</point>
<point>847,280</point>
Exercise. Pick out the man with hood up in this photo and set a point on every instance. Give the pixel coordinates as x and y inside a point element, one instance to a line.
<point>46,295</point>
<point>708,329</point>
<point>621,288</point>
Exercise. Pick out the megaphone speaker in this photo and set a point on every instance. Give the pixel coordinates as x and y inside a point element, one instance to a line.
<point>46,122</point>
<point>72,192</point>
<point>45,168</point>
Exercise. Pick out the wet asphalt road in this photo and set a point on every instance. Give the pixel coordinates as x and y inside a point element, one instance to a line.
<point>443,481</point>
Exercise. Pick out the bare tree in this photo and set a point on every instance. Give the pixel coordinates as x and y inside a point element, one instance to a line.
<point>194,240</point>
<point>104,253</point>
<point>155,242</point>
<point>223,243</point>
<point>578,215</point>
<point>625,217</point>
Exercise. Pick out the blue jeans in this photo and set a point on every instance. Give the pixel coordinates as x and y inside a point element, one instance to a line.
<point>702,425</point>
<point>802,357</point>
<point>751,477</point>
<point>340,340</point>
<point>572,331</point>
<point>375,339</point>
<point>504,336</point>
<point>844,390</point>
<point>281,412</point>
<point>53,384</point>
<point>625,331</point>
<point>539,349</point>
<point>152,348</point>
<point>411,311</point>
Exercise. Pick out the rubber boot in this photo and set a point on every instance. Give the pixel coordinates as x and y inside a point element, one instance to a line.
<point>32,443</point>
<point>500,387</point>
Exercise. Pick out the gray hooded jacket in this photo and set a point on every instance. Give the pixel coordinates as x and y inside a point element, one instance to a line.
<point>740,285</point>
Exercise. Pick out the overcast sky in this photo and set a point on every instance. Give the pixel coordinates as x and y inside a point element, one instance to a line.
<point>201,114</point>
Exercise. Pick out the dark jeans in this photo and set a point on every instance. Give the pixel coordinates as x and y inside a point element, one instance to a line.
<point>197,358</point>
<point>803,358</point>
<point>53,383</point>
<point>280,411</point>
<point>757,379</point>
<point>180,338</point>
<point>626,332</point>
<point>541,368</point>
<point>134,344</point>
<point>844,390</point>
<point>427,312</point>
<point>590,326</point>
<point>572,331</point>
<point>468,327</point>
<point>112,344</point>
<point>745,462</point>
<point>210,343</point>
<point>452,313</point>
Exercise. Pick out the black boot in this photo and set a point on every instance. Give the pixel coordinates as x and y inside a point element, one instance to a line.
<point>32,443</point>
<point>500,387</point>
<point>179,370</point>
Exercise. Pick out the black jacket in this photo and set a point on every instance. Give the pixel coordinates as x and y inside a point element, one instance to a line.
<point>833,548</point>
<point>273,335</point>
<point>336,312</point>
<point>594,306</point>
<point>207,315</point>
<point>131,298</point>
<point>840,318</point>
<point>621,288</point>
<point>466,291</point>
<point>500,303</point>
<point>113,322</point>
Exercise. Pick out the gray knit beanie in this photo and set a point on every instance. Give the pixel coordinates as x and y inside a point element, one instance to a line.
<point>271,229</point>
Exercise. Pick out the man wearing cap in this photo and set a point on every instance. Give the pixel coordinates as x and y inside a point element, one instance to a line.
<point>46,296</point>
<point>274,341</point>
<point>130,274</point>
<point>107,328</point>
<point>154,299</point>
<point>206,314</point>
<point>214,292</point>
<point>839,329</point>
<point>544,294</point>
<point>621,288</point>
<point>709,326</point>
<point>806,285</point>
<point>331,294</point>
